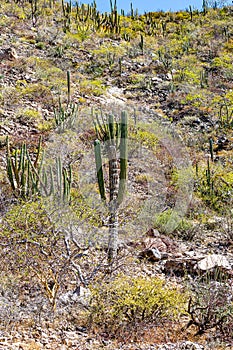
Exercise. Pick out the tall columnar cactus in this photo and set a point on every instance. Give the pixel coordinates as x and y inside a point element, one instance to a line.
<point>211,149</point>
<point>114,136</point>
<point>68,86</point>
<point>141,44</point>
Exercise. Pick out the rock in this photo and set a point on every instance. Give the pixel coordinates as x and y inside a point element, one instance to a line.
<point>157,246</point>
<point>186,345</point>
<point>80,295</point>
<point>162,242</point>
<point>213,261</point>
<point>180,266</point>
<point>152,254</point>
<point>8,53</point>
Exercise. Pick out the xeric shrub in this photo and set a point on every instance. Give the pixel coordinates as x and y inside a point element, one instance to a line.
<point>128,301</point>
<point>210,305</point>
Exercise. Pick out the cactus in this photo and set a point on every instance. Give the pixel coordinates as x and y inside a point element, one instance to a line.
<point>99,169</point>
<point>226,119</point>
<point>68,86</point>
<point>67,10</point>
<point>191,13</point>
<point>115,137</point>
<point>29,178</point>
<point>65,118</point>
<point>211,149</point>
<point>141,44</point>
<point>123,157</point>
<point>20,173</point>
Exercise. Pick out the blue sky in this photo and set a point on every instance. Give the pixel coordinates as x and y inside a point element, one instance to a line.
<point>147,5</point>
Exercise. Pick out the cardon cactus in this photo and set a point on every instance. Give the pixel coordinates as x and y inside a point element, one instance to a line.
<point>114,136</point>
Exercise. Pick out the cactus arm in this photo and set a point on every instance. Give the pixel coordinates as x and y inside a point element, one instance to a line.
<point>15,167</point>
<point>10,166</point>
<point>211,149</point>
<point>123,157</point>
<point>111,128</point>
<point>68,85</point>
<point>34,171</point>
<point>59,176</point>
<point>38,152</point>
<point>99,169</point>
<point>52,181</point>
<point>101,129</point>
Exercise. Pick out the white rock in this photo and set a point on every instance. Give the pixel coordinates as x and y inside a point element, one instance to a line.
<point>213,260</point>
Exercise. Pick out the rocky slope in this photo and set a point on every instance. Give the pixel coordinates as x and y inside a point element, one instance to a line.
<point>172,73</point>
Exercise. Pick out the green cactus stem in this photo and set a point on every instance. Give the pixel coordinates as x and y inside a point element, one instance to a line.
<point>123,157</point>
<point>68,86</point>
<point>211,149</point>
<point>99,169</point>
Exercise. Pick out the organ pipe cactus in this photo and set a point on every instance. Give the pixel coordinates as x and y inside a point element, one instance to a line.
<point>114,137</point>
<point>22,178</point>
<point>29,178</point>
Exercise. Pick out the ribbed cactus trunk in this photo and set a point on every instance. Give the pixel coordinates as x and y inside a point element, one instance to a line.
<point>113,205</point>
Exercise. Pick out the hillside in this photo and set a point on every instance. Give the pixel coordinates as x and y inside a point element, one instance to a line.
<point>159,88</point>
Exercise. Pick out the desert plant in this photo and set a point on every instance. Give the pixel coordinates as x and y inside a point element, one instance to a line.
<point>114,135</point>
<point>29,177</point>
<point>225,115</point>
<point>211,149</point>
<point>129,301</point>
<point>22,173</point>
<point>210,304</point>
<point>65,117</point>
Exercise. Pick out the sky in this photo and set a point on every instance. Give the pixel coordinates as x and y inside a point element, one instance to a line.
<point>147,5</point>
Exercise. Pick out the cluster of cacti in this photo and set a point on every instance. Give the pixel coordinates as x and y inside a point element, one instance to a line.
<point>34,11</point>
<point>87,16</point>
<point>225,115</point>
<point>29,178</point>
<point>23,177</point>
<point>56,181</point>
<point>203,78</point>
<point>67,12</point>
<point>65,117</point>
<point>165,58</point>
<point>114,136</point>
<point>204,7</point>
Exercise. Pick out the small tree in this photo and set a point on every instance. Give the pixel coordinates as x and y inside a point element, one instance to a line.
<point>114,137</point>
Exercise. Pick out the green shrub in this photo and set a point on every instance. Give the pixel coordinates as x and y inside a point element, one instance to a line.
<point>170,219</point>
<point>127,301</point>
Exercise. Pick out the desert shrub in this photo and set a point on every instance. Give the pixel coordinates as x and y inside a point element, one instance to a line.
<point>169,219</point>
<point>36,92</point>
<point>214,186</point>
<point>93,87</point>
<point>33,246</point>
<point>29,116</point>
<point>127,301</point>
<point>210,305</point>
